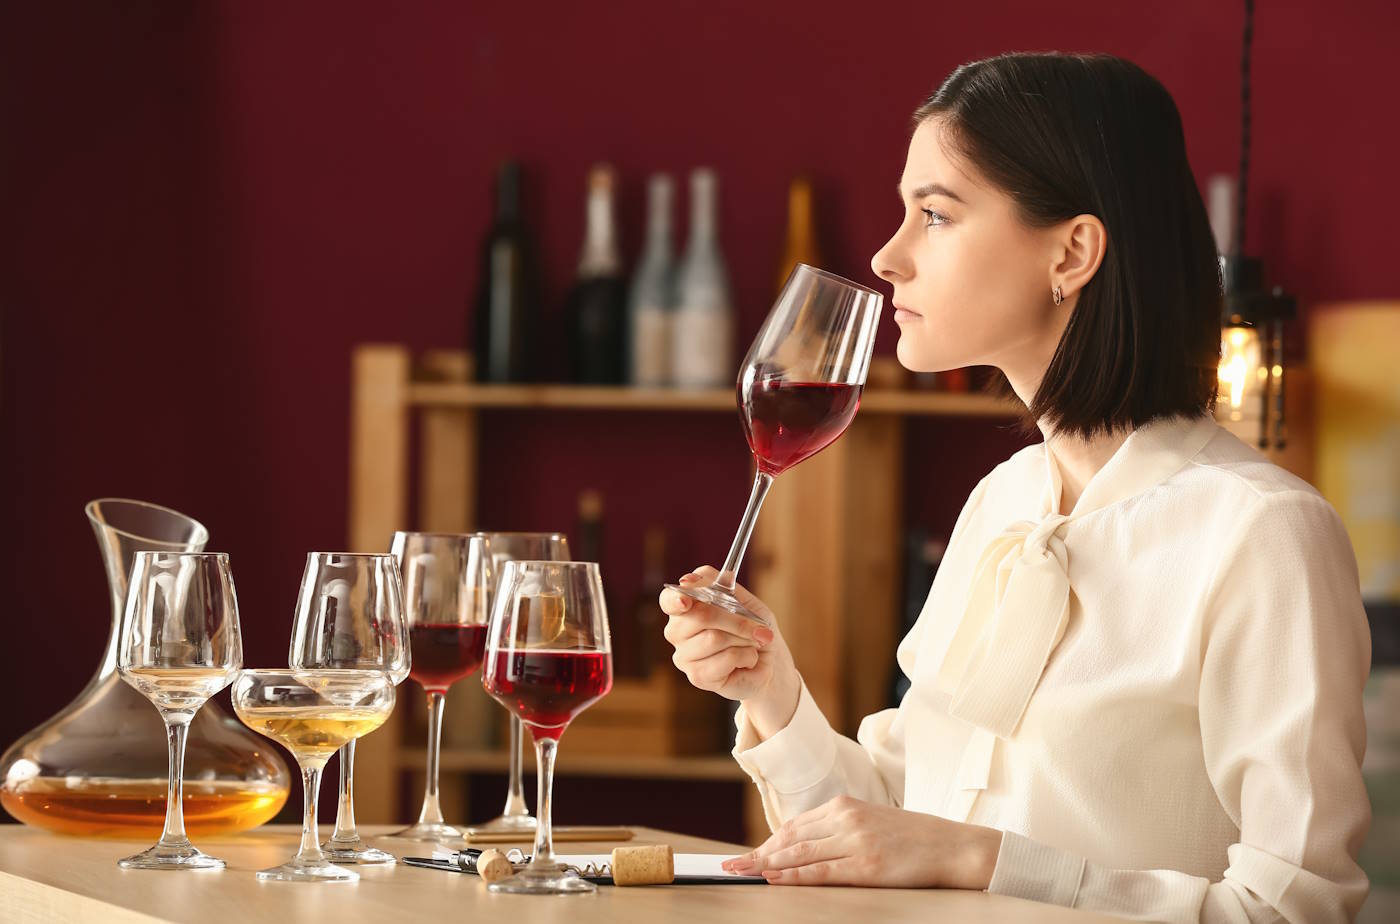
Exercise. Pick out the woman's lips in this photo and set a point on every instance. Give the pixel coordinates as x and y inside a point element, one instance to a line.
<point>904,314</point>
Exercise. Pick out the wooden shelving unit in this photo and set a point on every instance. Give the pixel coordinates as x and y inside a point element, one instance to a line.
<point>835,563</point>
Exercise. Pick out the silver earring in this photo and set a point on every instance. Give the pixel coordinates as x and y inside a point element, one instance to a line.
<point>1057,295</point>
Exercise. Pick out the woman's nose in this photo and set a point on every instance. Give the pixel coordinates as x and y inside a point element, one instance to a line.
<point>887,263</point>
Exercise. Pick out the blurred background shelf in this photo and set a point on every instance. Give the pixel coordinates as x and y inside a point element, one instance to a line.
<point>621,398</point>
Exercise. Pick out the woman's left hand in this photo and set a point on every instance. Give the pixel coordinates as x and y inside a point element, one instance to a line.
<point>853,843</point>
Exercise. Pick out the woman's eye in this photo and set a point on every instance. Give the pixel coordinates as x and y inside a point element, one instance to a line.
<point>934,218</point>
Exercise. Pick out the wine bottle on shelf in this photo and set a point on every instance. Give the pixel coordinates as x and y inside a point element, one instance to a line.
<point>801,232</point>
<point>646,611</point>
<point>702,338</point>
<point>590,527</point>
<point>505,306</point>
<point>653,292</point>
<point>597,304</point>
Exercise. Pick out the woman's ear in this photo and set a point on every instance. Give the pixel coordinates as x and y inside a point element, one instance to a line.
<point>1080,245</point>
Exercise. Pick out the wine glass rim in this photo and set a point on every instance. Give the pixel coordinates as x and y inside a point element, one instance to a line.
<point>436,534</point>
<point>175,553</point>
<point>827,274</point>
<point>389,555</point>
<point>508,532</point>
<point>551,561</point>
<point>200,532</point>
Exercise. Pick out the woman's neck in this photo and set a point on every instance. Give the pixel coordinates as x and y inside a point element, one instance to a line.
<point>1079,460</point>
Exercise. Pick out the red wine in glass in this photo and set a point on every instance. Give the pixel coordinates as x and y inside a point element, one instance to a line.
<point>547,689</point>
<point>786,422</point>
<point>443,654</point>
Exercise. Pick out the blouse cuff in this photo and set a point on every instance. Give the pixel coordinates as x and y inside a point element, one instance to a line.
<point>1027,869</point>
<point>798,757</point>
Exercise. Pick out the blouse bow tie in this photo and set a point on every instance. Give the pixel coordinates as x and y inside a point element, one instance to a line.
<point>1016,613</point>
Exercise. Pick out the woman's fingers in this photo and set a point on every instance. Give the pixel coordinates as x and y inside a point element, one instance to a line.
<point>714,670</point>
<point>811,825</point>
<point>709,642</point>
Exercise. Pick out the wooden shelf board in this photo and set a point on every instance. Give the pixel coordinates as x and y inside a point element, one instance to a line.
<point>622,398</point>
<point>703,767</point>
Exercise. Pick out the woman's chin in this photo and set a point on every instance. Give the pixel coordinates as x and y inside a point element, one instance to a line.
<point>916,360</point>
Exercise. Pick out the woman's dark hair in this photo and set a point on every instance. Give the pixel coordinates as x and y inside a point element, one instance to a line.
<point>1066,135</point>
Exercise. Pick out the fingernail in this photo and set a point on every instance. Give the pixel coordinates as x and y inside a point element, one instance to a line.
<point>763,636</point>
<point>683,603</point>
<point>689,578</point>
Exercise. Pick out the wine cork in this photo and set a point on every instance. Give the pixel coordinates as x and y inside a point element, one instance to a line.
<point>492,866</point>
<point>649,865</point>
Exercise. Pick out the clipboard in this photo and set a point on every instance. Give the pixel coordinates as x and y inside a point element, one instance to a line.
<point>691,868</point>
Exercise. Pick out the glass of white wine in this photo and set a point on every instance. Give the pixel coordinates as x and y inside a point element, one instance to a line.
<point>312,713</point>
<point>179,645</point>
<point>350,616</point>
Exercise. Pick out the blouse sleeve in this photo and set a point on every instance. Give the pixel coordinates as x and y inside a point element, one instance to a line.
<point>807,762</point>
<point>1285,650</point>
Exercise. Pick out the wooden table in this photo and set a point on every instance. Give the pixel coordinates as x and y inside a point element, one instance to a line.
<point>51,879</point>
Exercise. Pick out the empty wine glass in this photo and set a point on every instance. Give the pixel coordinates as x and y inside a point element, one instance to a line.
<point>179,645</point>
<point>798,390</point>
<point>507,546</point>
<point>548,657</point>
<point>349,616</point>
<point>312,713</point>
<point>446,582</point>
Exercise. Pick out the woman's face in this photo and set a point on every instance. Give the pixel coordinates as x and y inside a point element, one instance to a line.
<point>972,283</point>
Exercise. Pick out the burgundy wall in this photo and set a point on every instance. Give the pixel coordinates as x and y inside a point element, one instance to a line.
<point>206,205</point>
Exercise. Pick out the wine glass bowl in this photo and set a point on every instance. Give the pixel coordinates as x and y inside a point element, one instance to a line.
<point>548,657</point>
<point>798,390</point>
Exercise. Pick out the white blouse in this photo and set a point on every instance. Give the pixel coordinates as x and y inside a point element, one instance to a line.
<point>1157,697</point>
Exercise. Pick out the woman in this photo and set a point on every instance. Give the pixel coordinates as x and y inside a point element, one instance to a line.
<point>1136,682</point>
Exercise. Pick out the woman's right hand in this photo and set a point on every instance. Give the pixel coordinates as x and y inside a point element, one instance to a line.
<point>724,653</point>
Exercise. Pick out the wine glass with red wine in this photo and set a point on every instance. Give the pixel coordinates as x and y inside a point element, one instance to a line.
<point>798,390</point>
<point>548,658</point>
<point>446,581</point>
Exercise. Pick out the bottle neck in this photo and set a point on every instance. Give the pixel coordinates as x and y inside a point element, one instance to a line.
<point>801,236</point>
<point>659,196</point>
<point>702,210</point>
<point>600,256</point>
<point>508,194</point>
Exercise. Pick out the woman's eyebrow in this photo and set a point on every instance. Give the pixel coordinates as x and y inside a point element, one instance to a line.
<point>930,189</point>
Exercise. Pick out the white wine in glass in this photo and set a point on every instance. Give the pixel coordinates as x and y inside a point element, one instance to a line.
<point>312,714</point>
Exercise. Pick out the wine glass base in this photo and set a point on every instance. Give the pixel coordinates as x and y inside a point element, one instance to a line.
<point>522,824</point>
<point>185,856</point>
<point>546,880</point>
<point>295,870</point>
<point>356,851</point>
<point>717,596</point>
<point>428,831</point>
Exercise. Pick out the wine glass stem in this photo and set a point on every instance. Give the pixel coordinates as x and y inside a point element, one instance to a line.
<point>431,813</point>
<point>729,574</point>
<point>311,787</point>
<point>515,796</point>
<point>544,834</point>
<point>345,812</point>
<point>177,728</point>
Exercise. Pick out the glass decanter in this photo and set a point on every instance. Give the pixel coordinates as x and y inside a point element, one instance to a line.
<point>99,766</point>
